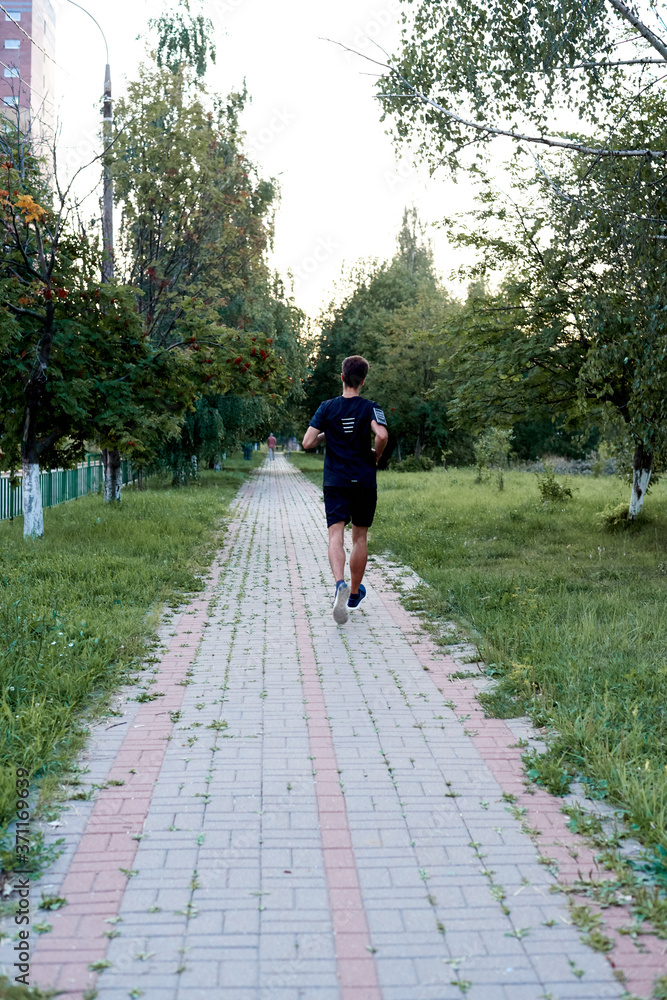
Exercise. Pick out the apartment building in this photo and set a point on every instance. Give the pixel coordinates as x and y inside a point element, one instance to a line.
<point>27,67</point>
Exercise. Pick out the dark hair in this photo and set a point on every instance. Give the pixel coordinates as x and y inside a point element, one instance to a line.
<point>355,370</point>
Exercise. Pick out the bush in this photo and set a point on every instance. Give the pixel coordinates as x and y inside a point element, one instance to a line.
<point>412,464</point>
<point>615,516</point>
<point>550,489</point>
<point>492,450</point>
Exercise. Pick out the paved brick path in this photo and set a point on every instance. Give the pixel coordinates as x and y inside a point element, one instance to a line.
<point>321,825</point>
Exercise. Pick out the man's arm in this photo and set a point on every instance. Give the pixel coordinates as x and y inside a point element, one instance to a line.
<point>312,438</point>
<point>381,438</point>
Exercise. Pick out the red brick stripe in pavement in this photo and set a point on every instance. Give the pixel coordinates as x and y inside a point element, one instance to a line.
<point>496,744</point>
<point>356,965</point>
<point>94,884</point>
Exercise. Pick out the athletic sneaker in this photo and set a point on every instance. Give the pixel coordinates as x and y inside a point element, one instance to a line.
<point>340,612</point>
<point>356,599</point>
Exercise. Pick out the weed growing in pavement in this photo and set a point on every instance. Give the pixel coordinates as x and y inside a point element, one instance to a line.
<point>100,965</point>
<point>14,991</point>
<point>497,890</point>
<point>576,971</point>
<point>41,854</point>
<point>598,941</point>
<point>52,902</point>
<point>639,883</point>
<point>660,988</point>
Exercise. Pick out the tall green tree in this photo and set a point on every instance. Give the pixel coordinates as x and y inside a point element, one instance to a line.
<point>70,347</point>
<point>592,299</point>
<point>393,316</point>
<point>577,326</point>
<point>183,38</point>
<point>194,234</point>
<point>193,211</point>
<point>469,72</point>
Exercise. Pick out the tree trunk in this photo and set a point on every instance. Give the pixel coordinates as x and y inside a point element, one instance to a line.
<point>642,466</point>
<point>194,467</point>
<point>140,478</point>
<point>33,515</point>
<point>418,446</point>
<point>112,475</point>
<point>398,450</point>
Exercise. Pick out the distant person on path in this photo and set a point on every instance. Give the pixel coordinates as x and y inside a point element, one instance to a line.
<point>271,442</point>
<point>350,486</point>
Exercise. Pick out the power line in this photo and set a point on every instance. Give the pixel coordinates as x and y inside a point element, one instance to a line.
<point>28,85</point>
<point>31,39</point>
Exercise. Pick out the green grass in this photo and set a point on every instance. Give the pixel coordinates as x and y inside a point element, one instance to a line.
<point>570,618</point>
<point>14,991</point>
<point>78,609</point>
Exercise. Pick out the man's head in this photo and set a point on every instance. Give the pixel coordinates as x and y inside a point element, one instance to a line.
<point>355,370</point>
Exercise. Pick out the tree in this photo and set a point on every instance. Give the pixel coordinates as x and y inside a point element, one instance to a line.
<point>405,376</point>
<point>393,316</point>
<point>594,308</point>
<point>193,210</point>
<point>65,338</point>
<point>194,233</point>
<point>223,421</point>
<point>492,450</point>
<point>578,324</point>
<point>183,39</point>
<point>514,68</point>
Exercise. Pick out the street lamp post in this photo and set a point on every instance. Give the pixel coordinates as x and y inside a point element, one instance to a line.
<point>107,135</point>
<point>107,195</point>
<point>110,456</point>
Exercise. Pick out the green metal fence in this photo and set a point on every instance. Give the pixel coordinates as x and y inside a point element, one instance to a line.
<point>58,486</point>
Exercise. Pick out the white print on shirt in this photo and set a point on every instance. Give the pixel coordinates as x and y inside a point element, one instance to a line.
<point>348,424</point>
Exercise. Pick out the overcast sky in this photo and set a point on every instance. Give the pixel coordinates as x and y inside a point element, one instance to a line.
<point>313,122</point>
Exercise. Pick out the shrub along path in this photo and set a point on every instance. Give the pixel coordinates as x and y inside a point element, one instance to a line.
<point>314,811</point>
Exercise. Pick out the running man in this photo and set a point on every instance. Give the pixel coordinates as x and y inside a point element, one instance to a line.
<point>350,487</point>
<point>271,443</point>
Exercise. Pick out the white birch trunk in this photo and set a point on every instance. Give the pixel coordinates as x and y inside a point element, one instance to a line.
<point>642,466</point>
<point>33,515</point>
<point>112,476</point>
<point>112,485</point>
<point>640,480</point>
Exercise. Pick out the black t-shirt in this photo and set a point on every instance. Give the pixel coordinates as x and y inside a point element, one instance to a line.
<point>346,421</point>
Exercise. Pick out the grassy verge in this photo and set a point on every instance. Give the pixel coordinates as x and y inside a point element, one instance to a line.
<point>78,609</point>
<point>310,465</point>
<point>570,618</point>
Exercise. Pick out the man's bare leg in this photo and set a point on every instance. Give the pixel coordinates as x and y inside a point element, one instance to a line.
<point>337,560</point>
<point>337,550</point>
<point>359,557</point>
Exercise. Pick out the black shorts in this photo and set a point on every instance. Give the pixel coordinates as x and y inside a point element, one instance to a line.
<point>350,503</point>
